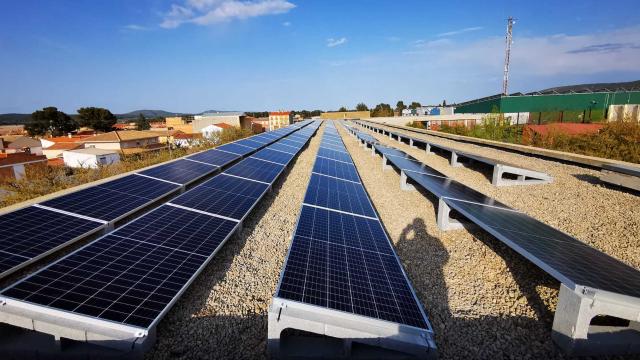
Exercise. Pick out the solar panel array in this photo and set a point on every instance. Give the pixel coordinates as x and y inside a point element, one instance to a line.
<point>133,275</point>
<point>569,260</point>
<point>90,209</point>
<point>340,257</point>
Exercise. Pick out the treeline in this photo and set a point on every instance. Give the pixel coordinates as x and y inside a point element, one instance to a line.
<point>54,122</point>
<point>385,110</point>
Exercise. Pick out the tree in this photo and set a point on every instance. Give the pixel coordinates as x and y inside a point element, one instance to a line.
<point>50,120</point>
<point>362,107</point>
<point>414,105</point>
<point>382,110</point>
<point>98,119</point>
<point>400,106</point>
<point>444,102</point>
<point>343,109</point>
<point>142,123</point>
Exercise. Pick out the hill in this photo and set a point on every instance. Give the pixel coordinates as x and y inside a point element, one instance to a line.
<point>149,114</point>
<point>14,119</point>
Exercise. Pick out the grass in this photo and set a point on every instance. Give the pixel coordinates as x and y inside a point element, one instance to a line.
<point>619,140</point>
<point>43,180</point>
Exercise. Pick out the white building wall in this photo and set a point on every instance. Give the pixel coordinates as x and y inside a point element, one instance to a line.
<point>80,160</point>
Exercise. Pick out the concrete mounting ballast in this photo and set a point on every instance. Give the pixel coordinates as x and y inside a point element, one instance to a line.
<point>578,305</point>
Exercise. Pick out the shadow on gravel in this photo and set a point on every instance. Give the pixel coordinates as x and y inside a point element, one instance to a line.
<point>468,333</point>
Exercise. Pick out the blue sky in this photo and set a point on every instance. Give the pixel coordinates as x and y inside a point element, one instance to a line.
<point>195,55</point>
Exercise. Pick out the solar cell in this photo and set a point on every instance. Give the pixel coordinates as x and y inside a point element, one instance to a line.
<point>215,157</point>
<point>274,156</point>
<point>180,171</point>
<point>332,264</point>
<point>224,195</point>
<point>255,169</point>
<point>338,194</point>
<point>139,186</point>
<point>336,169</point>
<point>33,232</point>
<point>236,149</point>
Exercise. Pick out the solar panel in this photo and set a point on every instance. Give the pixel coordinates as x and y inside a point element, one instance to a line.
<point>32,232</point>
<point>214,157</point>
<point>284,148</point>
<point>250,143</point>
<point>273,156</point>
<point>345,262</point>
<point>180,171</point>
<point>236,149</point>
<point>224,195</point>
<point>129,280</point>
<point>255,169</point>
<point>98,203</point>
<point>448,188</point>
<point>140,186</point>
<point>336,169</point>
<point>338,194</point>
<point>334,155</point>
<point>570,261</point>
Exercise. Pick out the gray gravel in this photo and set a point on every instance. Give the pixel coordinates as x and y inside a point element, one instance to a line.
<point>484,300</point>
<point>224,312</point>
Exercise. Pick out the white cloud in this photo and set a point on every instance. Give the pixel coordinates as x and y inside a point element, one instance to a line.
<point>560,54</point>
<point>336,42</point>
<point>286,23</point>
<point>208,12</point>
<point>460,31</point>
<point>135,27</point>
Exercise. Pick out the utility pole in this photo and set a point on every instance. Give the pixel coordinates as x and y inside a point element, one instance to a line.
<point>507,55</point>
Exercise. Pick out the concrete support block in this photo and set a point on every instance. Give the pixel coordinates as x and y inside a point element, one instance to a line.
<point>385,163</point>
<point>403,182</point>
<point>454,160</point>
<point>445,222</point>
<point>572,329</point>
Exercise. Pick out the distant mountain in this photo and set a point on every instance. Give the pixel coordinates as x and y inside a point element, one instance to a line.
<point>147,113</point>
<point>14,119</point>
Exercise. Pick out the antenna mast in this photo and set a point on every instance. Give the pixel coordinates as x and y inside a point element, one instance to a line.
<point>507,55</point>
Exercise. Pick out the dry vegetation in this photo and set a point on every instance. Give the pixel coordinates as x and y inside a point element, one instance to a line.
<point>43,180</point>
<point>619,140</point>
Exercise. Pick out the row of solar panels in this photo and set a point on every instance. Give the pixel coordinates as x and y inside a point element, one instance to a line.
<point>119,286</point>
<point>569,260</point>
<point>456,158</point>
<point>340,258</point>
<point>35,231</point>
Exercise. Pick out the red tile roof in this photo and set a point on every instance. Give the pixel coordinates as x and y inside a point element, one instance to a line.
<point>19,158</point>
<point>223,125</point>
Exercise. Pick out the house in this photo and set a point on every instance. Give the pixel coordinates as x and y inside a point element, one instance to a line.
<point>90,158</point>
<point>126,142</point>
<point>23,144</point>
<point>209,130</point>
<point>192,124</point>
<point>54,146</point>
<point>164,134</point>
<point>187,140</point>
<point>125,126</point>
<point>259,125</point>
<point>15,165</point>
<point>280,119</point>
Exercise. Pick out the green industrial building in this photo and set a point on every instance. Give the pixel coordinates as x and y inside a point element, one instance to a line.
<point>580,103</point>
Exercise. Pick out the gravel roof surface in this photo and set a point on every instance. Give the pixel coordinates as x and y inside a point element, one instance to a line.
<point>483,299</point>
